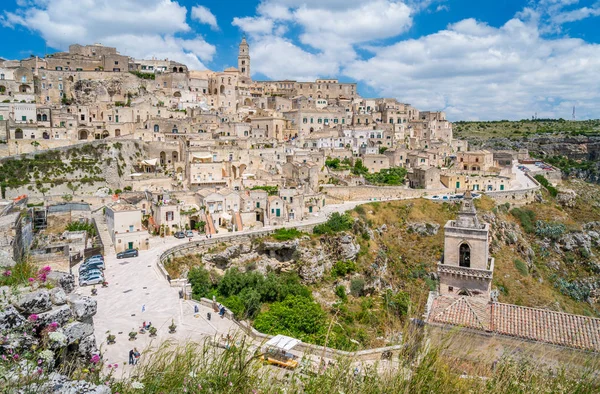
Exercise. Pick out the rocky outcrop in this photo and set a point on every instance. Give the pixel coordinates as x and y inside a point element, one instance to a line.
<point>10,318</point>
<point>34,302</point>
<point>57,383</point>
<point>223,259</point>
<point>424,229</point>
<point>82,307</point>
<point>6,260</point>
<point>282,251</point>
<point>566,198</point>
<point>62,279</point>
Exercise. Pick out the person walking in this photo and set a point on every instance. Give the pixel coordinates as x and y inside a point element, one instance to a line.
<point>131,357</point>
<point>136,356</point>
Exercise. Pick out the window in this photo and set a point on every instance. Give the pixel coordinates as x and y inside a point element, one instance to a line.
<point>2,76</point>
<point>60,86</point>
<point>304,120</point>
<point>130,229</point>
<point>116,63</point>
<point>257,204</point>
<point>24,118</point>
<point>464,255</point>
<point>82,117</point>
<point>24,79</point>
<point>169,216</point>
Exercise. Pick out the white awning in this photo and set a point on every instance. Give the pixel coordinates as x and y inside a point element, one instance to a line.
<point>150,162</point>
<point>282,342</point>
<point>226,216</point>
<point>136,174</point>
<point>202,155</point>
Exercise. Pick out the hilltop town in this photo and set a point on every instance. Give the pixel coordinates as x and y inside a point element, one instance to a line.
<point>183,195</point>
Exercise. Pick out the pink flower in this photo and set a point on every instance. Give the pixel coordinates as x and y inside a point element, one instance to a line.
<point>116,366</point>
<point>3,357</point>
<point>199,387</point>
<point>16,357</point>
<point>33,317</point>
<point>7,273</point>
<point>231,384</point>
<point>53,325</point>
<point>40,361</point>
<point>31,280</point>
<point>95,359</point>
<point>47,269</point>
<point>225,374</point>
<point>39,371</point>
<point>109,365</point>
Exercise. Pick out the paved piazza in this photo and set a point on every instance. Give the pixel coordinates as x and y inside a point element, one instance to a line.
<point>134,284</point>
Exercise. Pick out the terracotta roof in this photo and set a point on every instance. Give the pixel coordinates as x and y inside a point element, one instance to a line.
<point>558,328</point>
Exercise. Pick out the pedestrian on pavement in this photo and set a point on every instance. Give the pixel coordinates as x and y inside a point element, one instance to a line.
<point>136,356</point>
<point>131,357</point>
<point>143,308</point>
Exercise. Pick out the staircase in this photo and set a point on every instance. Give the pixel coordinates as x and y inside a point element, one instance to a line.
<point>238,221</point>
<point>109,247</point>
<point>210,225</point>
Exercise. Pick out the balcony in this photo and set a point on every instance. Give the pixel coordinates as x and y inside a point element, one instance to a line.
<point>467,272</point>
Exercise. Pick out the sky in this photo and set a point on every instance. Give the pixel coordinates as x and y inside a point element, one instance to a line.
<point>473,59</point>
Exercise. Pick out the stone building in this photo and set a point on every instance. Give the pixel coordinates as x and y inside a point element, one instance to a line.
<point>466,268</point>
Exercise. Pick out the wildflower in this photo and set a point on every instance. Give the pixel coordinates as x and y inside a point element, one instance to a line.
<point>7,273</point>
<point>40,371</point>
<point>231,384</point>
<point>85,370</point>
<point>3,357</point>
<point>33,317</point>
<point>199,387</point>
<point>95,359</point>
<point>47,269</point>
<point>225,374</point>
<point>40,361</point>
<point>137,385</point>
<point>58,337</point>
<point>16,357</point>
<point>31,280</point>
<point>109,365</point>
<point>47,356</point>
<point>115,366</point>
<point>192,374</point>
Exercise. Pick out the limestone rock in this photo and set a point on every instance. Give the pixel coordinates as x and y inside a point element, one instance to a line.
<point>87,346</point>
<point>566,198</point>
<point>425,229</point>
<point>6,260</point>
<point>223,259</point>
<point>76,331</point>
<point>102,192</point>
<point>348,250</point>
<point>57,383</point>
<point>10,318</point>
<point>58,296</point>
<point>60,314</point>
<point>34,302</point>
<point>282,251</point>
<point>82,307</point>
<point>62,279</point>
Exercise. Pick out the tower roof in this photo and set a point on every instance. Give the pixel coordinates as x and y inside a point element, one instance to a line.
<point>467,215</point>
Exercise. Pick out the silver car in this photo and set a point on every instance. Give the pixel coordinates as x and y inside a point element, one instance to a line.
<point>94,279</point>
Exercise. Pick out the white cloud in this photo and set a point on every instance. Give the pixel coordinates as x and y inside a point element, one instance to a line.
<point>254,25</point>
<point>203,15</point>
<point>472,70</point>
<point>139,28</point>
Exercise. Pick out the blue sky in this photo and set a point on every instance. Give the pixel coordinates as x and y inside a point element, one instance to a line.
<point>474,59</point>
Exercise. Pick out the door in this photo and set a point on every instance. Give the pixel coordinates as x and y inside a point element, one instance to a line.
<point>278,212</point>
<point>501,187</point>
<point>129,245</point>
<point>310,209</point>
<point>458,185</point>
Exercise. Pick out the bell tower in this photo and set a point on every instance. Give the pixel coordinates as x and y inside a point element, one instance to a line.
<point>244,58</point>
<point>466,268</point>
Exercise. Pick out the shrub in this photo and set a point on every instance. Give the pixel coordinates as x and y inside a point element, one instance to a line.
<point>526,217</point>
<point>552,230</point>
<point>359,209</point>
<point>342,268</point>
<point>340,291</point>
<point>544,182</point>
<point>337,222</point>
<point>82,226</point>
<point>285,234</point>
<point>271,190</point>
<point>521,267</point>
<point>357,287</point>
<point>200,281</point>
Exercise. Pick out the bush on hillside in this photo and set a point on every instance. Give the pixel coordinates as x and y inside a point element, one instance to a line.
<point>337,222</point>
<point>544,182</point>
<point>526,218</point>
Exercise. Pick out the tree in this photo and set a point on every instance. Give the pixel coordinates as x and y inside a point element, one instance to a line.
<point>200,225</point>
<point>359,168</point>
<point>334,164</point>
<point>201,283</point>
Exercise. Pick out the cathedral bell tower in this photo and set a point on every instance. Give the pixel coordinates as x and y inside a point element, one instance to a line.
<point>466,268</point>
<point>244,59</point>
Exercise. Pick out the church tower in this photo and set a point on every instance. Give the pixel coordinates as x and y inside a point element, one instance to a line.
<point>244,59</point>
<point>466,268</point>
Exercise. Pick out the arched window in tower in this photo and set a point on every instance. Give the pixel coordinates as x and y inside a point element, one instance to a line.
<point>464,255</point>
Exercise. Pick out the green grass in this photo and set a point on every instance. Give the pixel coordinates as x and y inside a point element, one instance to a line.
<point>521,267</point>
<point>523,128</point>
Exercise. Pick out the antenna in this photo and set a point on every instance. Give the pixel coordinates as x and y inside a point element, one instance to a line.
<point>573,112</point>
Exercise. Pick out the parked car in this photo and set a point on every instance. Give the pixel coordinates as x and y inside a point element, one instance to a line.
<point>91,280</point>
<point>92,264</point>
<point>89,273</point>
<point>96,256</point>
<point>189,233</point>
<point>128,253</point>
<point>179,234</point>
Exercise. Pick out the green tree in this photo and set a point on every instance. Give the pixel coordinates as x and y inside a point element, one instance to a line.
<point>201,282</point>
